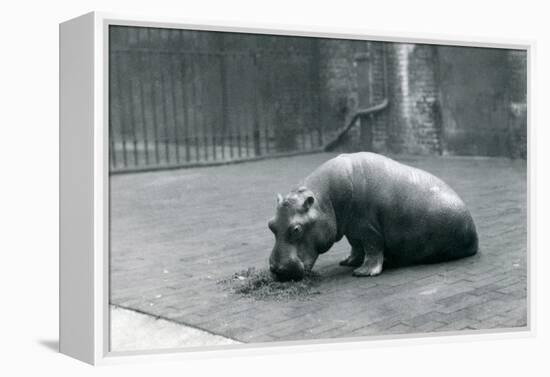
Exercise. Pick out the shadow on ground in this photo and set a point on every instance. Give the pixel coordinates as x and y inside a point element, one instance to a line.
<point>52,345</point>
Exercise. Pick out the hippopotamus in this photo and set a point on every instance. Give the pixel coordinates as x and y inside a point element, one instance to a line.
<point>391,214</point>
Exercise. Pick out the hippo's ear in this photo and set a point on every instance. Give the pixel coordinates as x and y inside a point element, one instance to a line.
<point>308,202</point>
<point>279,199</point>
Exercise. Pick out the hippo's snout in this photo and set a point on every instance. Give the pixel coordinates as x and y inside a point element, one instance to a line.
<point>289,271</point>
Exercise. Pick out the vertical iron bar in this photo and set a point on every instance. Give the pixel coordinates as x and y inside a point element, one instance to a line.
<point>214,122</point>
<point>111,145</point>
<point>239,107</point>
<point>385,116</point>
<point>266,136</point>
<point>222,123</point>
<point>255,103</point>
<point>214,146</point>
<point>239,141</point>
<point>313,117</point>
<point>162,59</point>
<point>385,68</point>
<point>222,144</point>
<point>112,151</point>
<point>207,126</point>
<point>141,68</point>
<point>153,78</point>
<point>370,76</point>
<point>197,147</point>
<point>131,55</point>
<point>127,103</point>
<point>203,106</point>
<point>132,109</point>
<point>194,103</point>
<point>216,125</point>
<point>122,108</point>
<point>270,72</point>
<point>205,136</point>
<point>111,133</point>
<point>310,127</point>
<point>303,136</point>
<point>209,119</point>
<point>223,73</point>
<point>317,78</point>
<point>185,107</point>
<point>174,107</point>
<point>215,129</point>
<point>271,96</point>
<point>198,104</point>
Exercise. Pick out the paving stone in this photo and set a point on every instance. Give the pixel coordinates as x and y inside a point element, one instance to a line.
<point>464,300</point>
<point>423,319</point>
<point>486,310</point>
<point>400,328</point>
<point>429,326</point>
<point>459,324</point>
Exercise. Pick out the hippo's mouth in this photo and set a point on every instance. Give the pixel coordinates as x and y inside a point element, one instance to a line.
<point>289,272</point>
<point>287,277</point>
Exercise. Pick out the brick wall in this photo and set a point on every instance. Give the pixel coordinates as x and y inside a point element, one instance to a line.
<point>379,93</point>
<point>353,76</point>
<point>414,125</point>
<point>517,66</point>
<point>442,99</point>
<point>338,79</point>
<point>293,92</point>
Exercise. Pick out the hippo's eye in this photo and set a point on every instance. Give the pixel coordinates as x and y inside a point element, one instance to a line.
<point>295,230</point>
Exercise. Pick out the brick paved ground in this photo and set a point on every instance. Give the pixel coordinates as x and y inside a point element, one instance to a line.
<point>176,233</point>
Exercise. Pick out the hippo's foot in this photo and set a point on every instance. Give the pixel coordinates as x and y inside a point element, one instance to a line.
<point>352,261</point>
<point>356,256</point>
<point>369,268</point>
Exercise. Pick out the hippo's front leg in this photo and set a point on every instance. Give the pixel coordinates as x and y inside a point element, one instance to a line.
<point>374,259</point>
<point>356,256</point>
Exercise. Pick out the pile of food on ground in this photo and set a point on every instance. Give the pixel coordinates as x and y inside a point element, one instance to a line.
<point>261,285</point>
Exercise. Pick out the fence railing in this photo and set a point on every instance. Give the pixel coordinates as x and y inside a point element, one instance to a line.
<point>188,98</point>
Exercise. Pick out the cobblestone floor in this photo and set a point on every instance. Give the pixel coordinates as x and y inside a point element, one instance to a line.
<point>175,234</point>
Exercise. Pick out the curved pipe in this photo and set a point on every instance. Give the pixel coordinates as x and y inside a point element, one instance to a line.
<point>358,114</point>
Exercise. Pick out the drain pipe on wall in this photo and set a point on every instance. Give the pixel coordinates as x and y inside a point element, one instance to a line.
<point>361,113</point>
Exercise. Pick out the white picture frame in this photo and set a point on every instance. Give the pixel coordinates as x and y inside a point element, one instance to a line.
<point>84,195</point>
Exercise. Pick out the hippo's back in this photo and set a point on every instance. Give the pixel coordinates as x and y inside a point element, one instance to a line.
<point>421,218</point>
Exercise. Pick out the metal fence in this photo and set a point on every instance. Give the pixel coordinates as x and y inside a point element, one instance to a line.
<point>186,98</point>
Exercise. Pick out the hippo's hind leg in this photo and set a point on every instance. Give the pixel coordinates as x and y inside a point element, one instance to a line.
<point>356,256</point>
<point>374,259</point>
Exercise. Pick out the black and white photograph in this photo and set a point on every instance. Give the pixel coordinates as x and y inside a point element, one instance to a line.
<point>275,188</point>
<point>272,188</point>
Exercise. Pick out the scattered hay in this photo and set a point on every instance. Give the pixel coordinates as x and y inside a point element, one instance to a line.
<point>260,285</point>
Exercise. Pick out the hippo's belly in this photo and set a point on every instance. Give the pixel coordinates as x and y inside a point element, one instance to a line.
<point>430,226</point>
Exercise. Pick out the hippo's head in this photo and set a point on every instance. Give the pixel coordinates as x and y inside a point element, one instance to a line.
<point>299,235</point>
